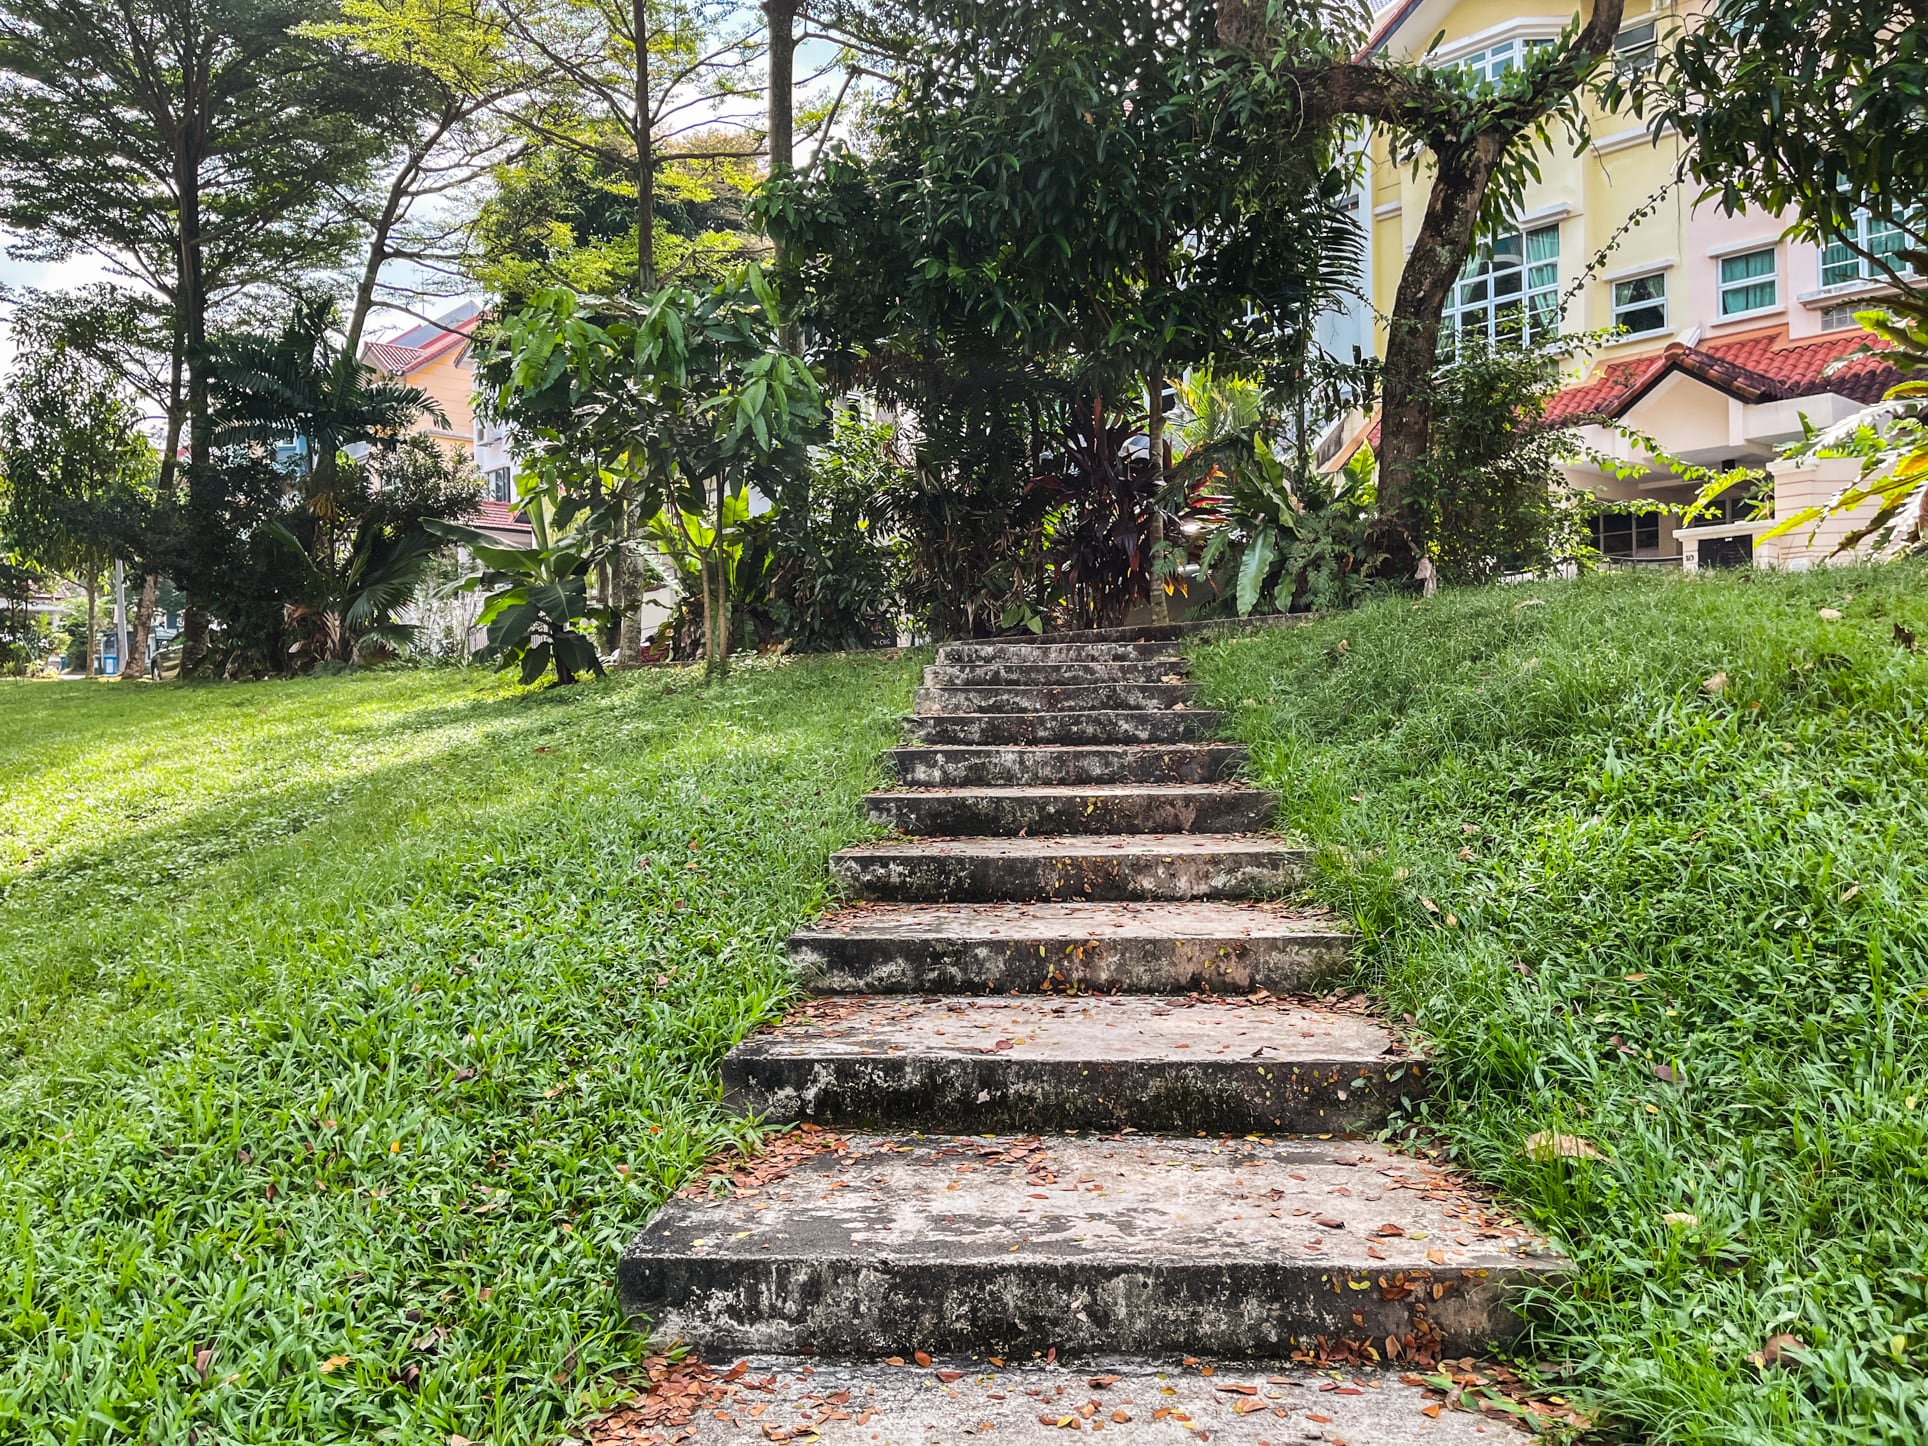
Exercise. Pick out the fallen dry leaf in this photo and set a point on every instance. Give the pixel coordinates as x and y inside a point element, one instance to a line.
<point>1680,1219</point>
<point>1545,1145</point>
<point>1714,684</point>
<point>1775,1352</point>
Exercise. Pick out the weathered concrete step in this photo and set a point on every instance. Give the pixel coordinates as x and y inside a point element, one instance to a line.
<point>866,1245</point>
<point>1081,867</point>
<point>1001,729</point>
<point>1031,764</point>
<point>1159,948</point>
<point>1027,674</point>
<point>1073,698</point>
<point>958,1399</point>
<point>959,654</point>
<point>1096,808</point>
<point>1095,1062</point>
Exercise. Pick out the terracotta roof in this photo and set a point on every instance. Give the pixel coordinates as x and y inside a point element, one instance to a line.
<point>1762,367</point>
<point>399,361</point>
<point>500,517</point>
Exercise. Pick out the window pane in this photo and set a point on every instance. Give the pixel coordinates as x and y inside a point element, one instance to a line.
<point>1641,288</point>
<point>1746,266</point>
<point>1543,244</point>
<point>1839,264</point>
<point>1646,532</point>
<point>1736,299</point>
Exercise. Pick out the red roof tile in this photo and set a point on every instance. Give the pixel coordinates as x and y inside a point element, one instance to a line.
<point>399,361</point>
<point>500,517</point>
<point>1763,367</point>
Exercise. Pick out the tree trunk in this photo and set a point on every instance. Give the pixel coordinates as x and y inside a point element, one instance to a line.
<point>93,591</point>
<point>202,489</point>
<point>645,157</point>
<point>1412,348</point>
<point>1155,439</point>
<point>140,629</point>
<point>782,104</point>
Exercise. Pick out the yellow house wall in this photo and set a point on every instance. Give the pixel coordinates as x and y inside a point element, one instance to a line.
<point>1601,190</point>
<point>450,379</point>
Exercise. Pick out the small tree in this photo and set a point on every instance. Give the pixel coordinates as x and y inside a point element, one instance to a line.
<point>76,475</point>
<point>665,407</point>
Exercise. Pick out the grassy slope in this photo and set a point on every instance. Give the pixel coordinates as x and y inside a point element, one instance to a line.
<point>367,1017</point>
<point>1733,885</point>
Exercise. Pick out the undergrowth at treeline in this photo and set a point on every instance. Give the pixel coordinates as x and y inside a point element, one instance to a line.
<point>1646,860</point>
<point>348,1027</point>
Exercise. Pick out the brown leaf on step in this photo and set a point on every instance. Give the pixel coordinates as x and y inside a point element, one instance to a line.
<point>1233,1388</point>
<point>737,1371</point>
<point>921,1357</point>
<point>1315,1416</point>
<point>1546,1145</point>
<point>1099,1383</point>
<point>948,1376</point>
<point>1121,1415</point>
<point>1432,1410</point>
<point>1247,1407</point>
<point>1329,1222</point>
<point>893,1360</point>
<point>1776,1352</point>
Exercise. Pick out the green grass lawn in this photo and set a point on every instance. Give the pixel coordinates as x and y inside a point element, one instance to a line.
<point>348,1027</point>
<point>1683,920</point>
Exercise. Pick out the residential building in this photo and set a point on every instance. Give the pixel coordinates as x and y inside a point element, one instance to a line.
<point>1726,334</point>
<point>437,357</point>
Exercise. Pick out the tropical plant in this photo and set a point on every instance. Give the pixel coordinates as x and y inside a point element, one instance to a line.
<point>538,596</point>
<point>355,573</point>
<point>1890,439</point>
<point>25,637</point>
<point>667,407</point>
<point>1279,545</point>
<point>1105,495</point>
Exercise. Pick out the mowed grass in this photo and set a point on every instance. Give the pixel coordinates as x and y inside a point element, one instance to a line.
<point>349,1027</point>
<point>1683,920</point>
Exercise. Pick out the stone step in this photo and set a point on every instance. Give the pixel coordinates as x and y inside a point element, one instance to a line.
<point>1027,674</point>
<point>959,1399</point>
<point>1034,764</point>
<point>1084,867</point>
<point>975,1065</point>
<point>1158,948</point>
<point>1016,729</point>
<point>1097,808</point>
<point>1072,698</point>
<point>960,654</point>
<point>868,1245</point>
<point>1146,948</point>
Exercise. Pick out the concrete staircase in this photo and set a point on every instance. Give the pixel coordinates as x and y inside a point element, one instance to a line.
<point>1070,1094</point>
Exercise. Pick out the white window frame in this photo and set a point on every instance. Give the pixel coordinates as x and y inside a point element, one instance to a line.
<point>501,482</point>
<point>1538,281</point>
<point>1722,286</point>
<point>1492,61</point>
<point>1637,56</point>
<point>1865,271</point>
<point>1644,304</point>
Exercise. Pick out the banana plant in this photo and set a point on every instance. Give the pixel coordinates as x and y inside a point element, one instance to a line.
<point>538,596</point>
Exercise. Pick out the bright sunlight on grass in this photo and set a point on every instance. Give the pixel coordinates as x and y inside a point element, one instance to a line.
<point>1647,860</point>
<point>349,1027</point>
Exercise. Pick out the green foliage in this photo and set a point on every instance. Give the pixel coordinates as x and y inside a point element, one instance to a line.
<point>76,472</point>
<point>385,1025</point>
<point>663,407</point>
<point>1490,490</point>
<point>1804,110</point>
<point>315,551</point>
<point>1890,440</point>
<point>25,637</point>
<point>536,594</point>
<point>1665,823</point>
<point>833,581</point>
<point>1284,544</point>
